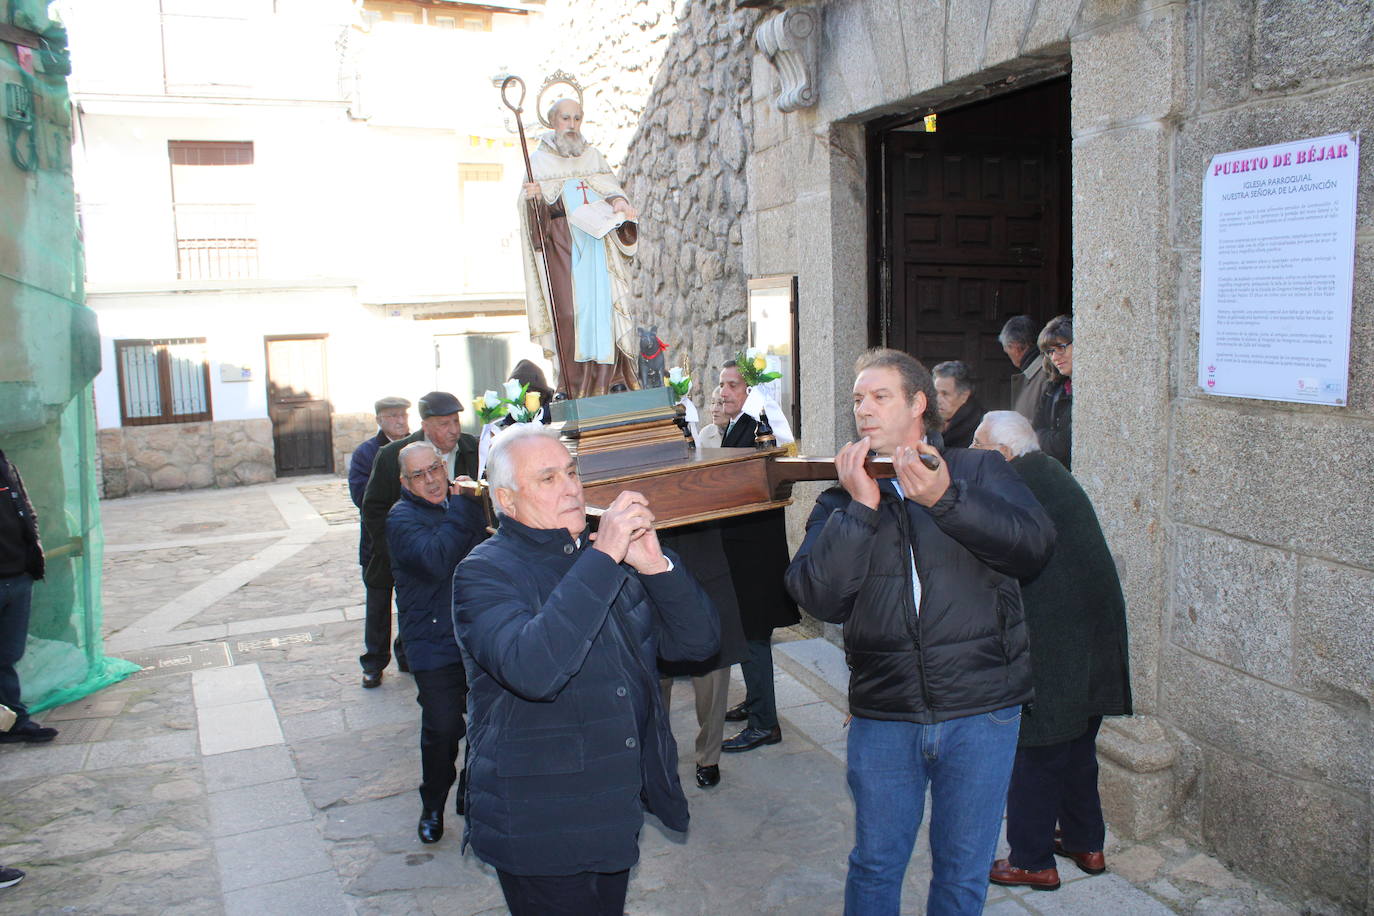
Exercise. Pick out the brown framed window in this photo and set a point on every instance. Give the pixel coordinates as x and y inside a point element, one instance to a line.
<point>214,205</point>
<point>162,381</point>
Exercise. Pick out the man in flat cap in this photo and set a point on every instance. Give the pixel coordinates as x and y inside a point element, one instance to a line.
<point>393,423</point>
<point>441,427</point>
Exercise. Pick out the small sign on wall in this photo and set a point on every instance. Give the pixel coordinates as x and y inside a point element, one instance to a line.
<point>228,372</point>
<point>1278,259</point>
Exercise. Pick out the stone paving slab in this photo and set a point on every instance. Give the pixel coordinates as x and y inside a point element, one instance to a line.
<point>258,807</point>
<point>237,769</point>
<point>322,818</point>
<point>313,895</point>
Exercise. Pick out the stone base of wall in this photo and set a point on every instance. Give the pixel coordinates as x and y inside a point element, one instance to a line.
<point>349,431</point>
<point>182,456</point>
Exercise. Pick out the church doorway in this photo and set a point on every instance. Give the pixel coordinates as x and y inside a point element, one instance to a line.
<point>972,228</point>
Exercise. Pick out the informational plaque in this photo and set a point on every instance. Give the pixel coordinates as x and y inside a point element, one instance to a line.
<point>1278,263</point>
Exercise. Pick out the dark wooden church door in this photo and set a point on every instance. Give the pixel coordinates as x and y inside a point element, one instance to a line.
<point>977,230</point>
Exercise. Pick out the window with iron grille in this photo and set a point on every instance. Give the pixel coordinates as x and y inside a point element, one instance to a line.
<point>214,204</point>
<point>162,381</point>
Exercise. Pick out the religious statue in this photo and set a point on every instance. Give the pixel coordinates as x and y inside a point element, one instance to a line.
<point>578,222</point>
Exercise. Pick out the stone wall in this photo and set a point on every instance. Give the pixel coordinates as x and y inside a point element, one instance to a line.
<point>667,90</point>
<point>1241,528</point>
<point>179,456</point>
<point>350,430</point>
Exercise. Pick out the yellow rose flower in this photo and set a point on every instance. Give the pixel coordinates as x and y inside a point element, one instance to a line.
<point>760,363</point>
<point>479,403</point>
<point>531,401</point>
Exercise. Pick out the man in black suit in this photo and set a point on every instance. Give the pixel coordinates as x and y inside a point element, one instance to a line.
<point>442,428</point>
<point>756,549</point>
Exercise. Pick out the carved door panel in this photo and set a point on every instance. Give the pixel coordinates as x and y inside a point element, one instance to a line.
<point>977,233</point>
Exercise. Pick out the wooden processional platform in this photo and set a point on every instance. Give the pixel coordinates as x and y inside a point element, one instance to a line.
<point>631,440</point>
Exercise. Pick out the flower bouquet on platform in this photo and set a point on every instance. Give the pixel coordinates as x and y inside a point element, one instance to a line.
<point>762,402</point>
<point>516,404</point>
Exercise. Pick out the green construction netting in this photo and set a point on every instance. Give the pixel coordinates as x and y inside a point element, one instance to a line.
<point>49,353</point>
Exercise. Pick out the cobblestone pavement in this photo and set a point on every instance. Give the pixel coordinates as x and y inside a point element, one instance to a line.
<point>244,770</point>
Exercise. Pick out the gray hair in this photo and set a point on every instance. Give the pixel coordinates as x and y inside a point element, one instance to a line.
<point>954,369</point>
<point>1019,330</point>
<point>414,447</point>
<point>500,467</point>
<point>1009,428</point>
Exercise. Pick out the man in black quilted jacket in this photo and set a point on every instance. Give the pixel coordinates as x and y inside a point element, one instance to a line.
<point>922,570</point>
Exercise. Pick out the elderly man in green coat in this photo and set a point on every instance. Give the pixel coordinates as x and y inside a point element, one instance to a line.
<point>1076,617</point>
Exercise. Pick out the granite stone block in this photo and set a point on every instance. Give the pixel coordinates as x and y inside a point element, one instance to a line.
<point>1222,41</point>
<point>1276,728</point>
<point>1262,122</point>
<point>268,856</point>
<point>1292,832</point>
<point>313,895</point>
<point>238,726</point>
<point>1051,26</point>
<point>223,686</point>
<point>1297,43</point>
<point>132,751</point>
<point>966,26</point>
<point>238,769</point>
<point>923,26</point>
<point>776,246</point>
<point>1233,602</point>
<point>1008,21</point>
<point>1334,630</point>
<point>257,807</point>
<point>1233,467</point>
<point>1130,71</point>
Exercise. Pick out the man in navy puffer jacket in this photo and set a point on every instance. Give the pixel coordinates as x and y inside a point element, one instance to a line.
<point>428,530</point>
<point>568,739</point>
<point>922,571</point>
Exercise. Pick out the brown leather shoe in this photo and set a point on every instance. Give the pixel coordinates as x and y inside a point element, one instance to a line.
<point>1094,863</point>
<point>1008,875</point>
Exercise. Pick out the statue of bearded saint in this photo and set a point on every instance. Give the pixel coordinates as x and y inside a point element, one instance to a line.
<point>579,312</point>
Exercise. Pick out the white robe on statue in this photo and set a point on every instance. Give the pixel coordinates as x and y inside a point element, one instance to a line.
<point>600,266</point>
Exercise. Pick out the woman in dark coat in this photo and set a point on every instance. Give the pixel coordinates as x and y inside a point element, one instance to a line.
<point>1076,619</point>
<point>703,553</point>
<point>1054,416</point>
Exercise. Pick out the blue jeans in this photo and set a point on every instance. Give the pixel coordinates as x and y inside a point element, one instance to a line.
<point>16,593</point>
<point>967,764</point>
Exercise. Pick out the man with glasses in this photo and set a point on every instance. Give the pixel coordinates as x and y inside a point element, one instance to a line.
<point>441,427</point>
<point>428,531</point>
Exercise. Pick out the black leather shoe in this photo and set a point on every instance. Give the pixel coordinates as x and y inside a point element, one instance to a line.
<point>431,827</point>
<point>737,713</point>
<point>372,679</point>
<point>708,776</point>
<point>751,738</point>
<point>29,733</point>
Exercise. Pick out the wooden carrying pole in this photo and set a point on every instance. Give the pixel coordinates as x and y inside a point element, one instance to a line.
<point>535,219</point>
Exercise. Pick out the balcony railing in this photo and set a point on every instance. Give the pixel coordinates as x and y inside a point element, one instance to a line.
<point>216,241</point>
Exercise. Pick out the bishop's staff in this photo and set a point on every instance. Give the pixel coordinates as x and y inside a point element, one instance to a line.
<point>540,254</point>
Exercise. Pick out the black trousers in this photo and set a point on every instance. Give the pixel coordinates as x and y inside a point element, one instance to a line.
<point>377,632</point>
<point>587,893</point>
<point>442,695</point>
<point>759,699</point>
<point>1055,784</point>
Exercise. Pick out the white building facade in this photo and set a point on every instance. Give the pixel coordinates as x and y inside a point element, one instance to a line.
<point>277,238</point>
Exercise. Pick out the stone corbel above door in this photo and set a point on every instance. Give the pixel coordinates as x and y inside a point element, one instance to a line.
<point>789,40</point>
